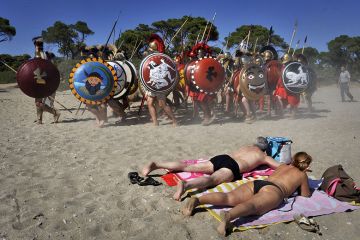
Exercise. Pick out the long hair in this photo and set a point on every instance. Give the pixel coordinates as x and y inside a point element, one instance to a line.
<point>301,160</point>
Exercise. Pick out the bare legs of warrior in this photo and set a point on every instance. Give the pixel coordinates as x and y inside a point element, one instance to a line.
<point>99,114</point>
<point>118,110</point>
<point>249,110</point>
<point>162,104</point>
<point>41,107</point>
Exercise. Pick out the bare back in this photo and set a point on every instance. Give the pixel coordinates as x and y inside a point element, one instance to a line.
<point>250,157</point>
<point>289,179</point>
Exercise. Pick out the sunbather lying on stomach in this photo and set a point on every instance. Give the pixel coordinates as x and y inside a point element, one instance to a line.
<point>259,196</point>
<point>221,168</point>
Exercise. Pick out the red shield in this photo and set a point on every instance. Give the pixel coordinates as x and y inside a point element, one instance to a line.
<point>38,78</point>
<point>273,73</point>
<point>158,73</point>
<point>208,75</point>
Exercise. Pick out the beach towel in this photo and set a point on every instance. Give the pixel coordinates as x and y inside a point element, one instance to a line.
<point>171,179</point>
<point>318,204</point>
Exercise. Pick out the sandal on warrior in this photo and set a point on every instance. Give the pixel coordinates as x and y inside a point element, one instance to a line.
<point>149,181</point>
<point>134,177</point>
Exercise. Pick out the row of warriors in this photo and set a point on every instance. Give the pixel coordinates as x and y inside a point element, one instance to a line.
<point>251,82</point>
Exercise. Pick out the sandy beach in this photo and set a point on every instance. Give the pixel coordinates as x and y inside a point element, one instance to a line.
<point>69,180</point>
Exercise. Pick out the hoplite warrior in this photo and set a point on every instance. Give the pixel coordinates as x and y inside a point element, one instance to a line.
<point>228,90</point>
<point>44,104</point>
<point>312,83</point>
<point>199,98</point>
<point>160,76</point>
<point>272,68</point>
<point>282,96</point>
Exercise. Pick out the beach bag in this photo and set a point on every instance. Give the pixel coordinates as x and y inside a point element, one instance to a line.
<point>338,184</point>
<point>279,148</point>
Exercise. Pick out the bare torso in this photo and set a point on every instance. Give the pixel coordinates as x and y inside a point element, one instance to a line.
<point>289,178</point>
<point>248,158</point>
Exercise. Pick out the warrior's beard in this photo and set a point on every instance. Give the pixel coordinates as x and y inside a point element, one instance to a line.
<point>92,89</point>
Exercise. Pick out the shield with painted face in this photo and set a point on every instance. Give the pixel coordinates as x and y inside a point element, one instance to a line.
<point>252,82</point>
<point>93,81</point>
<point>208,75</point>
<point>158,73</point>
<point>38,78</point>
<point>295,77</point>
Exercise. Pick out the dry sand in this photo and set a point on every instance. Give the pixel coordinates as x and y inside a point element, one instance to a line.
<point>69,180</point>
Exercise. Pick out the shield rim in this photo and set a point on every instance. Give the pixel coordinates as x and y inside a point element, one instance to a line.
<point>246,92</point>
<point>72,87</point>
<point>125,90</point>
<point>118,94</point>
<point>283,74</point>
<point>142,81</point>
<point>37,59</point>
<point>193,78</point>
<point>134,80</point>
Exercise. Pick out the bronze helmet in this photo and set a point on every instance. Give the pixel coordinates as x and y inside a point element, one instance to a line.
<point>153,46</point>
<point>286,58</point>
<point>268,55</point>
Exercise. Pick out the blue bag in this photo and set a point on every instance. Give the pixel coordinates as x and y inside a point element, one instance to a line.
<point>276,151</point>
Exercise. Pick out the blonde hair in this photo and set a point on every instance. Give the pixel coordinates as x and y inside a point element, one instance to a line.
<point>301,160</point>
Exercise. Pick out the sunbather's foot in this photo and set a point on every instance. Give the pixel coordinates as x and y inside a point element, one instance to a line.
<point>149,168</point>
<point>189,206</point>
<point>180,191</point>
<point>225,223</point>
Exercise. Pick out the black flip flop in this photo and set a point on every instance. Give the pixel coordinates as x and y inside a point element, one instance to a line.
<point>134,177</point>
<point>149,181</point>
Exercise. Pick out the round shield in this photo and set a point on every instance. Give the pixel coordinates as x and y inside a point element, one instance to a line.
<point>273,72</point>
<point>158,73</point>
<point>134,78</point>
<point>252,82</point>
<point>93,81</point>
<point>295,77</point>
<point>208,75</point>
<point>38,78</point>
<point>121,75</point>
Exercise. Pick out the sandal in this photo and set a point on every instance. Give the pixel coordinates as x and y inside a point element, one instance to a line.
<point>149,181</point>
<point>134,177</point>
<point>307,224</point>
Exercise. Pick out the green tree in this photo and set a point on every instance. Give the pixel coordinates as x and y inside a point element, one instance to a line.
<point>257,32</point>
<point>63,36</point>
<point>6,30</point>
<point>83,29</point>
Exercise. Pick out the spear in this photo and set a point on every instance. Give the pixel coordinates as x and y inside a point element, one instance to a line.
<point>132,52</point>
<point>296,46</point>
<point>135,49</point>
<point>197,38</point>
<point>112,30</point>
<point>202,38</point>
<point>255,45</point>
<point>270,34</point>
<point>212,23</point>
<point>305,40</point>
<point>293,35</point>
<point>8,66</point>
<point>177,32</point>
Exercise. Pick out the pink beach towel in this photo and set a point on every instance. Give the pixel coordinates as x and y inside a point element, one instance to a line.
<point>318,204</point>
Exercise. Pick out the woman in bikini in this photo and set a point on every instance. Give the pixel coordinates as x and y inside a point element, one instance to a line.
<point>259,196</point>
